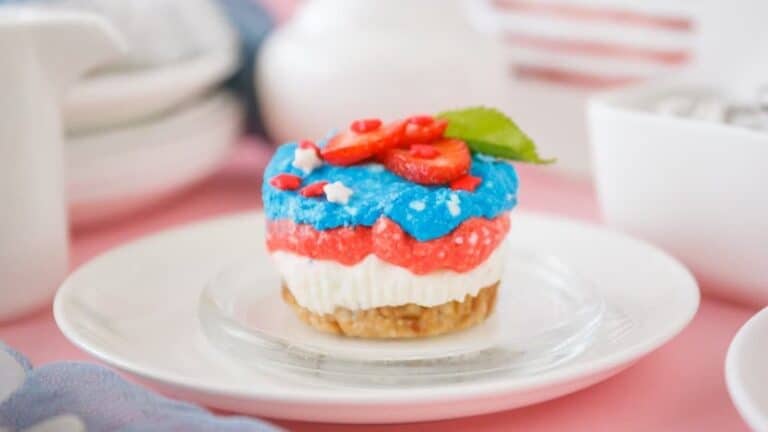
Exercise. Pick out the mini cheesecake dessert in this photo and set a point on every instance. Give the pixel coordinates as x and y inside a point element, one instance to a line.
<point>395,230</point>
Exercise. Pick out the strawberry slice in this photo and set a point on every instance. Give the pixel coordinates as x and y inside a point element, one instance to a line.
<point>424,129</point>
<point>453,161</point>
<point>350,147</point>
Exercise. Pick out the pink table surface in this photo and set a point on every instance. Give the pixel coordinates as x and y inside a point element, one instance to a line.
<point>678,387</point>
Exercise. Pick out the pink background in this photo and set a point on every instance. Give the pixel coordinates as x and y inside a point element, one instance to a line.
<point>678,387</point>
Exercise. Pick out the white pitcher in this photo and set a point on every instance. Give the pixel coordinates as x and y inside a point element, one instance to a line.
<point>41,53</point>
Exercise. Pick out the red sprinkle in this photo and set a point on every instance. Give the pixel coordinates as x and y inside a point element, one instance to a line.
<point>285,181</point>
<point>424,151</point>
<point>468,183</point>
<point>313,190</point>
<point>421,120</point>
<point>365,125</point>
<point>308,144</point>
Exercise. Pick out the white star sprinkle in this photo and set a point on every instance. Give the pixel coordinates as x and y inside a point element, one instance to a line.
<point>453,205</point>
<point>336,192</point>
<point>306,159</point>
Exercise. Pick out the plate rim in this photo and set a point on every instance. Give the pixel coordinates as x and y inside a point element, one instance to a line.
<point>755,416</point>
<point>566,373</point>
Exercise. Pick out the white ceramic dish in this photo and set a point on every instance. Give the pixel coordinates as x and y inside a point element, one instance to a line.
<point>137,308</point>
<point>113,99</point>
<point>746,373</point>
<point>694,188</point>
<point>116,172</point>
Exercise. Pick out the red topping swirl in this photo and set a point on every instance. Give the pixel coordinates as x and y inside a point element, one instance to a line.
<point>465,248</point>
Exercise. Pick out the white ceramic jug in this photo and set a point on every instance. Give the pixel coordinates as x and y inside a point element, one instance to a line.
<point>41,53</point>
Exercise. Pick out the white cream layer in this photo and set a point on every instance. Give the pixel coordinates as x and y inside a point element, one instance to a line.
<point>321,286</point>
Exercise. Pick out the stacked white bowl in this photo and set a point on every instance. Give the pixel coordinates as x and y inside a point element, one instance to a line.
<point>156,121</point>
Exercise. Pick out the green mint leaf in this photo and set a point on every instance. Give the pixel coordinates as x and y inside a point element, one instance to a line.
<point>489,131</point>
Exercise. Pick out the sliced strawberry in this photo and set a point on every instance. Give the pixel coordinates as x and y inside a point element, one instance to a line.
<point>452,162</point>
<point>350,147</point>
<point>467,183</point>
<point>424,129</point>
<point>313,190</point>
<point>285,181</point>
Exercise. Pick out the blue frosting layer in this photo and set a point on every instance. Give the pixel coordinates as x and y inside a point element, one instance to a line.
<point>424,212</point>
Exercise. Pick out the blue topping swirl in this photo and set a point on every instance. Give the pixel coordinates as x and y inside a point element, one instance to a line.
<point>424,212</point>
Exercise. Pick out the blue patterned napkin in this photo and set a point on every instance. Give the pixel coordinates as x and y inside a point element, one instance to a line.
<point>75,397</point>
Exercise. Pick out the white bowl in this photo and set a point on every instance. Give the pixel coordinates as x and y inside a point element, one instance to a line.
<point>745,373</point>
<point>111,100</point>
<point>695,188</point>
<point>115,172</point>
<point>176,51</point>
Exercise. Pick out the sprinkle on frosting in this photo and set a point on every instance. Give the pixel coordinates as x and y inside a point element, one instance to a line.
<point>306,159</point>
<point>313,190</point>
<point>337,192</point>
<point>453,205</point>
<point>285,182</point>
<point>467,183</point>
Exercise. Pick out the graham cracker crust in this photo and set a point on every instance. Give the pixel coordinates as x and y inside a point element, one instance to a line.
<point>406,321</point>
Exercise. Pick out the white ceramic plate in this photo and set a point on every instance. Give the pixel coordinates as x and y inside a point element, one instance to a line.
<point>137,308</point>
<point>115,172</point>
<point>111,99</point>
<point>746,371</point>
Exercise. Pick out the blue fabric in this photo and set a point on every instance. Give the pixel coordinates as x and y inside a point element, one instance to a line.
<point>424,212</point>
<point>253,23</point>
<point>103,401</point>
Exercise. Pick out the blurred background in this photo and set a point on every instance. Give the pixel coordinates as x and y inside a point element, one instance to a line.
<point>189,86</point>
<point>120,118</point>
<point>201,87</point>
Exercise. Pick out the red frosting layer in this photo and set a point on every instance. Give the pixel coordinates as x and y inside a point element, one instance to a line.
<point>462,250</point>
